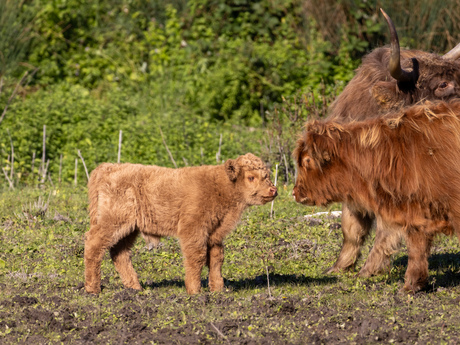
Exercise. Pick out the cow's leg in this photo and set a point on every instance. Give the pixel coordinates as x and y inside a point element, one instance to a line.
<point>121,256</point>
<point>97,240</point>
<point>355,228</point>
<point>387,242</point>
<point>419,245</point>
<point>193,240</point>
<point>215,259</point>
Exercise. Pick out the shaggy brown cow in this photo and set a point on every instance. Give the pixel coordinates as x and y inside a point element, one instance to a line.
<point>388,80</point>
<point>199,205</point>
<point>404,168</point>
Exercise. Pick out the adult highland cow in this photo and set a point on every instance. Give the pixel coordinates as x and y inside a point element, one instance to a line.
<point>388,80</point>
<point>199,205</point>
<point>404,169</point>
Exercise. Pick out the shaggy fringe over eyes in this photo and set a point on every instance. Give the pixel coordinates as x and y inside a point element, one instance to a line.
<point>375,132</point>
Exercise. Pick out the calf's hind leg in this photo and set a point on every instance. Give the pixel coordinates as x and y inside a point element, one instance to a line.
<point>121,256</point>
<point>96,243</point>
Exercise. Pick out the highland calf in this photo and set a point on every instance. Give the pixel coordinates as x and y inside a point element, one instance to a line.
<point>199,205</point>
<point>388,81</point>
<point>403,168</point>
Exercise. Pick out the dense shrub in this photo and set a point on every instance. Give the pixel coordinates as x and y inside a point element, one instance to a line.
<point>76,120</point>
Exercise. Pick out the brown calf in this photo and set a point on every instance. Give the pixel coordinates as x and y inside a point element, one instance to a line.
<point>199,205</point>
<point>404,168</point>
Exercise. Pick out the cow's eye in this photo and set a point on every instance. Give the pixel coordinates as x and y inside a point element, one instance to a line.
<point>443,85</point>
<point>251,178</point>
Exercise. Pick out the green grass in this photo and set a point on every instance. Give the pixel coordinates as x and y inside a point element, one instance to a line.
<point>42,299</point>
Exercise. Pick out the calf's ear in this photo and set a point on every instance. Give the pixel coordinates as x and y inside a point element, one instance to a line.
<point>232,169</point>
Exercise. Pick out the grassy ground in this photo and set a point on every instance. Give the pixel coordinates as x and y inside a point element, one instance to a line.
<point>276,291</point>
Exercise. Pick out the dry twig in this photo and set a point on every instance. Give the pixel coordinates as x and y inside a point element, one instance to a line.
<point>84,165</point>
<point>167,149</point>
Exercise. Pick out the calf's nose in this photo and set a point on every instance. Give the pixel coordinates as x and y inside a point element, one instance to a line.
<point>273,191</point>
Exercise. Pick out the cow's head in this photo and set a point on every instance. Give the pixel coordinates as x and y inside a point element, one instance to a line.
<point>428,75</point>
<point>390,79</point>
<point>252,178</point>
<point>319,164</point>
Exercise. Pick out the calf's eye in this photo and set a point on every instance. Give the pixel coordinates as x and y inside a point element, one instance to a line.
<point>443,85</point>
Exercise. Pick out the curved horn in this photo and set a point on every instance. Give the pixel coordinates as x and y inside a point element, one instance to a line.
<point>453,54</point>
<point>395,63</point>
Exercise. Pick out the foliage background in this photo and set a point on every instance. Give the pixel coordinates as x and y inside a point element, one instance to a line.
<point>251,71</point>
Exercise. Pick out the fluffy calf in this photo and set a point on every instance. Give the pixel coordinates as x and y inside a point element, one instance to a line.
<point>403,168</point>
<point>199,205</point>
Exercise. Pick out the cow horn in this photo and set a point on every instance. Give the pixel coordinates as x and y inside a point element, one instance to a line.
<point>395,68</point>
<point>453,54</point>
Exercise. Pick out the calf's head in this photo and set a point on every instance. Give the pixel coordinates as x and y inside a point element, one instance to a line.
<point>252,178</point>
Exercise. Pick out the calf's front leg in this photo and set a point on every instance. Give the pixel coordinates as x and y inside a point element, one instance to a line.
<point>194,250</point>
<point>121,256</point>
<point>215,259</point>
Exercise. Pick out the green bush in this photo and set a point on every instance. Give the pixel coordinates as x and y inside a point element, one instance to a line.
<point>76,119</point>
<point>15,32</point>
<point>232,59</point>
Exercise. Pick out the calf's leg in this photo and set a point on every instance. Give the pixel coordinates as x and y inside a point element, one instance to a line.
<point>96,242</point>
<point>215,259</point>
<point>121,256</point>
<point>194,249</point>
<point>355,228</point>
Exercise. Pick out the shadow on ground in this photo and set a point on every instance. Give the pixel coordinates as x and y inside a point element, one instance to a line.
<point>259,281</point>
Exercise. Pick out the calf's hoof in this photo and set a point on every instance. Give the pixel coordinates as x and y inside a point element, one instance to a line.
<point>136,286</point>
<point>216,286</point>
<point>193,291</point>
<point>92,290</point>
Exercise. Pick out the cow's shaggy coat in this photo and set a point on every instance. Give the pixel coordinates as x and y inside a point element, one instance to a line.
<point>372,93</point>
<point>405,169</point>
<point>199,205</point>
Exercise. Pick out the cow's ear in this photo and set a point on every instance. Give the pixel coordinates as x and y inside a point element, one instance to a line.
<point>384,93</point>
<point>297,153</point>
<point>232,168</point>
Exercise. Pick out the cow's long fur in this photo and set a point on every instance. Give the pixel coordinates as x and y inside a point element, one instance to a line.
<point>403,168</point>
<point>373,93</point>
<point>199,205</point>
